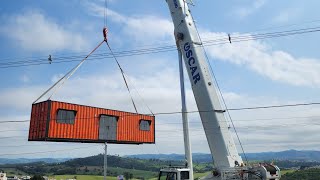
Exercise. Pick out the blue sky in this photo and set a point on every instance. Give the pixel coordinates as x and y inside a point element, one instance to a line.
<point>259,72</point>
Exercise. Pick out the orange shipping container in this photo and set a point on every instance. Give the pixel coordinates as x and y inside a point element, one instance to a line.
<point>66,122</point>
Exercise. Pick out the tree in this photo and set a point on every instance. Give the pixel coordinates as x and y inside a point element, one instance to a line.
<point>130,176</point>
<point>126,175</point>
<point>37,177</point>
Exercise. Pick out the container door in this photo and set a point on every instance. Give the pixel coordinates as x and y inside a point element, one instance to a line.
<point>108,127</point>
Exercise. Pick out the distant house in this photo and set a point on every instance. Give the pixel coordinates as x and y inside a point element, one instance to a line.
<point>3,176</point>
<point>13,178</point>
<point>120,177</point>
<point>25,178</point>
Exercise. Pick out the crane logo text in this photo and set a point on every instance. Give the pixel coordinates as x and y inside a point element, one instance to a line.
<point>191,62</point>
<point>175,3</point>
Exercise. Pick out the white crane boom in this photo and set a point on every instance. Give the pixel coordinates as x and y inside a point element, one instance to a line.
<point>228,163</point>
<point>215,124</point>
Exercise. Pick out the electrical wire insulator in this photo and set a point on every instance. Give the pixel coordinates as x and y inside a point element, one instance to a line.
<point>105,33</point>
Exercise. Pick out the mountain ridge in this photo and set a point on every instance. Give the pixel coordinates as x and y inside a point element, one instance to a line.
<point>303,155</point>
<point>31,160</point>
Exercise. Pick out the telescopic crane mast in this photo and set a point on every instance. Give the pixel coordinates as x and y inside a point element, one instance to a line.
<point>228,163</point>
<point>215,125</point>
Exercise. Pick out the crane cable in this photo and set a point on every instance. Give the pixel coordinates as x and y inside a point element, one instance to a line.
<point>220,92</point>
<point>123,76</point>
<point>105,36</point>
<point>73,70</point>
<point>66,76</point>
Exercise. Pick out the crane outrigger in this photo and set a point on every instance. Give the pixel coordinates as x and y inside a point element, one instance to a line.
<point>227,161</point>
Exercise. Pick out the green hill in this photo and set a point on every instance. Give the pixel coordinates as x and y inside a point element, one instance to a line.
<point>93,166</point>
<point>309,174</point>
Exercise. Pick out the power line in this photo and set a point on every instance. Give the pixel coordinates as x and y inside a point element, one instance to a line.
<point>282,26</point>
<point>197,111</point>
<point>250,120</point>
<point>212,42</point>
<point>262,29</point>
<point>14,121</point>
<point>12,130</point>
<point>236,120</point>
<point>13,137</point>
<point>200,129</point>
<point>251,127</point>
<point>245,108</point>
<point>274,106</point>
<point>192,122</point>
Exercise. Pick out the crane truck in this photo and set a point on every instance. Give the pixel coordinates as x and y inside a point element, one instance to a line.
<point>228,164</point>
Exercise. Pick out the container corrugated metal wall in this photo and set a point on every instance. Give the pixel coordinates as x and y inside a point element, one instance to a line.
<point>38,121</point>
<point>44,125</point>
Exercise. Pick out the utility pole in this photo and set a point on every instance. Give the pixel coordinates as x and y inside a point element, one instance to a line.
<point>105,161</point>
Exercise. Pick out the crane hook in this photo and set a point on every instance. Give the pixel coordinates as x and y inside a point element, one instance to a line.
<point>105,33</point>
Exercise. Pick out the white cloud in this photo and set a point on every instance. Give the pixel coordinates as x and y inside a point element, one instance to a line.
<point>243,12</point>
<point>287,15</point>
<point>19,98</point>
<point>262,59</point>
<point>143,28</point>
<point>161,93</point>
<point>99,11</point>
<point>33,31</point>
<point>24,78</point>
<point>160,90</point>
<point>257,56</point>
<point>279,128</point>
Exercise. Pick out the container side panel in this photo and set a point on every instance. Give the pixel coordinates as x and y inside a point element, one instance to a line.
<point>124,129</point>
<point>38,119</point>
<point>32,123</point>
<point>43,117</point>
<point>31,128</point>
<point>43,123</point>
<point>89,128</point>
<point>87,117</point>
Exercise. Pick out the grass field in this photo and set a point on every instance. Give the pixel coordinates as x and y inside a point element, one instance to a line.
<point>136,173</point>
<point>13,171</point>
<point>92,177</point>
<point>197,175</point>
<point>146,174</point>
<point>81,177</point>
<point>287,171</point>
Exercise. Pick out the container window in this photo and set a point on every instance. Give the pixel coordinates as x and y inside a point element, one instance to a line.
<point>66,116</point>
<point>145,125</point>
